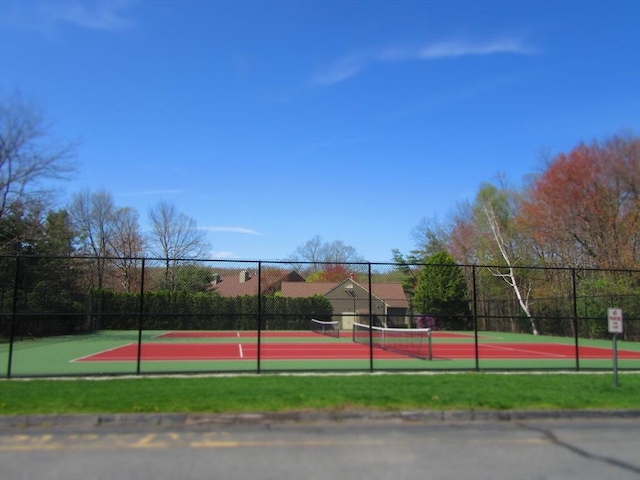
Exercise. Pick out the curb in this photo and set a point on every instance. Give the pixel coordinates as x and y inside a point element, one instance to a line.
<point>181,420</point>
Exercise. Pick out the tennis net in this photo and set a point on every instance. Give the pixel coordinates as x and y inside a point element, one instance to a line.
<point>331,329</point>
<point>413,342</point>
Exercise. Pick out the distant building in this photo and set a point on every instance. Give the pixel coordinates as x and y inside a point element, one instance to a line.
<point>246,283</point>
<point>350,301</point>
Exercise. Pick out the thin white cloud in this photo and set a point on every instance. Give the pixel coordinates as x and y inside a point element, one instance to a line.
<point>343,69</point>
<point>351,65</point>
<point>242,230</point>
<point>459,49</point>
<point>103,15</point>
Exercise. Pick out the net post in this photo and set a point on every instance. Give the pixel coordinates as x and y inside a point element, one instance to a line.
<point>430,345</point>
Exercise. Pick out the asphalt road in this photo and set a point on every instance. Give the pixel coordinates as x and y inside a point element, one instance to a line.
<point>536,448</point>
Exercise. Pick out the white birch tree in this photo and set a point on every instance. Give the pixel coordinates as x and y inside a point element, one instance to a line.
<point>509,277</point>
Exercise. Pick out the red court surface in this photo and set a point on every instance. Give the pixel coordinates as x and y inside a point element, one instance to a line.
<point>343,351</point>
<point>277,333</point>
<point>242,334</point>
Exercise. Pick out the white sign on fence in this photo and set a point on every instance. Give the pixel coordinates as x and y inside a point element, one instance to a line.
<point>614,316</point>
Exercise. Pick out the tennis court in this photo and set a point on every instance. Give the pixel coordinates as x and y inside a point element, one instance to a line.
<point>319,348</point>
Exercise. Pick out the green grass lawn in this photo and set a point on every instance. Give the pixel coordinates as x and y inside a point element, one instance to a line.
<point>271,393</point>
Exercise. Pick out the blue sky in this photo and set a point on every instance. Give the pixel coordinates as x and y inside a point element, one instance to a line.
<point>271,122</point>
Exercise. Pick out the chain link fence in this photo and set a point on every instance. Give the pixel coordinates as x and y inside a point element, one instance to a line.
<point>113,316</point>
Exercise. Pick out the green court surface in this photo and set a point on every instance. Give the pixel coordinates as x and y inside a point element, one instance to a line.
<point>117,353</point>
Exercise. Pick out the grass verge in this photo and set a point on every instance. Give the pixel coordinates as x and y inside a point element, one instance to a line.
<point>477,391</point>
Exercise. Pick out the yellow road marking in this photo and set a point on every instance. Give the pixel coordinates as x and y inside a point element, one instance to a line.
<point>164,440</point>
<point>148,442</point>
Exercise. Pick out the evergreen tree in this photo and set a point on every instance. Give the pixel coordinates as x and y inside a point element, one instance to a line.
<point>441,292</point>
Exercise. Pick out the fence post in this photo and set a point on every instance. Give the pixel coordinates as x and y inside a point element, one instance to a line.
<point>575,317</point>
<point>370,321</point>
<point>13,316</point>
<point>475,317</point>
<point>140,320</point>
<point>258,365</point>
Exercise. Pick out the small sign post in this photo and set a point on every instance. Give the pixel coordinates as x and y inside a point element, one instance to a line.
<point>614,317</point>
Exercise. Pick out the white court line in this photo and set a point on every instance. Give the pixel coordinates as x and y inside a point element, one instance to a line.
<point>582,345</point>
<point>524,350</point>
<point>239,345</point>
<point>102,351</point>
<point>481,335</point>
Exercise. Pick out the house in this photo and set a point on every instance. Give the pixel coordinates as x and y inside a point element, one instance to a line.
<point>246,282</point>
<point>350,301</point>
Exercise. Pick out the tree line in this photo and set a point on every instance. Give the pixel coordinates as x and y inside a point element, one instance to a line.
<point>581,211</point>
<point>90,224</point>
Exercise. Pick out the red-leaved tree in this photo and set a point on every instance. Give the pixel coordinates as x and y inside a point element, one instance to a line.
<point>584,210</point>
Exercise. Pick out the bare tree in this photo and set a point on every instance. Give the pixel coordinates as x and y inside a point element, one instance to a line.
<point>30,160</point>
<point>311,252</point>
<point>94,218</point>
<point>128,245</point>
<point>320,254</point>
<point>174,238</point>
<point>339,252</point>
<point>431,236</point>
